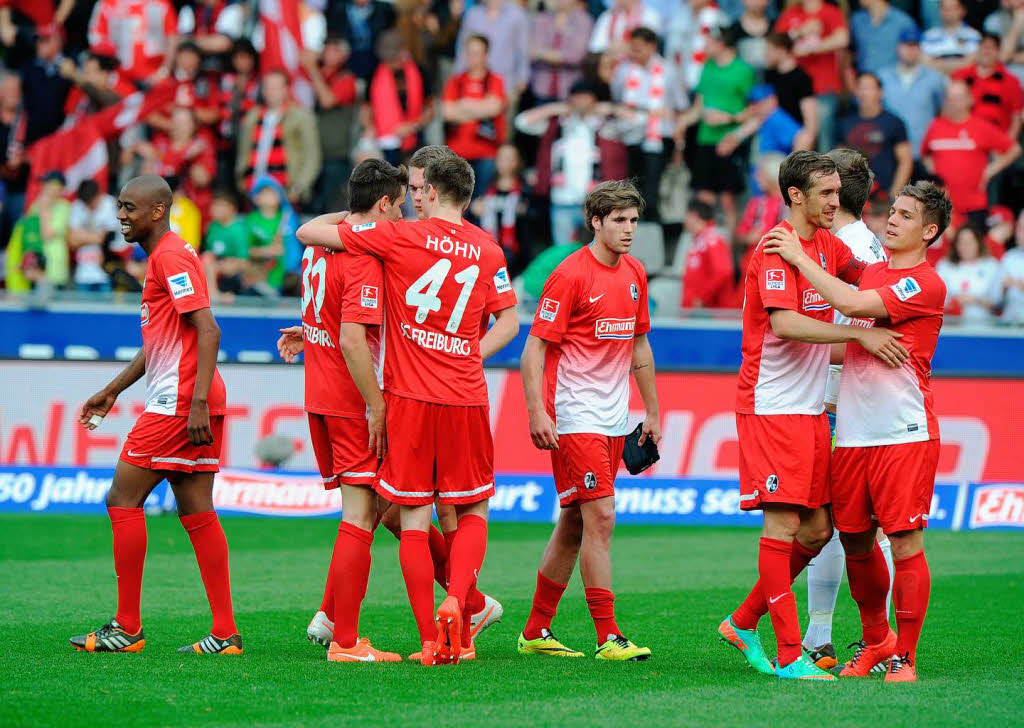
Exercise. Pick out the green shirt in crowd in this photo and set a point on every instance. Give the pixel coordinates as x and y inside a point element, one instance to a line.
<point>262,231</point>
<point>228,241</point>
<point>725,88</point>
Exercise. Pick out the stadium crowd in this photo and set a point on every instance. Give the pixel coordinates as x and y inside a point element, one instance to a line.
<point>257,123</point>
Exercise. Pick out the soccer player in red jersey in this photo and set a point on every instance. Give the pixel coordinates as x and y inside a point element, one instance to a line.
<point>780,413</point>
<point>438,276</point>
<point>342,312</point>
<point>178,437</point>
<point>887,439</point>
<point>589,332</point>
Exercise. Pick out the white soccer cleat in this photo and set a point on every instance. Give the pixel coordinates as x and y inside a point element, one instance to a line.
<point>321,630</point>
<point>490,614</point>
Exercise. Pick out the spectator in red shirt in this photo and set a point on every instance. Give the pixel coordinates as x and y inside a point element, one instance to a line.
<point>966,152</point>
<point>996,91</point>
<point>399,99</point>
<point>140,30</point>
<point>97,85</point>
<point>763,212</point>
<point>185,151</point>
<point>819,34</point>
<point>473,105</point>
<point>707,280</point>
<point>196,90</point>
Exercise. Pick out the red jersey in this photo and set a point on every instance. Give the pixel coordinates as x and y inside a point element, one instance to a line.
<point>476,139</point>
<point>175,285</point>
<point>960,152</point>
<point>338,287</point>
<point>997,96</point>
<point>140,30</point>
<point>199,151</point>
<point>800,25</point>
<point>879,405</point>
<point>440,279</point>
<point>708,274</point>
<point>589,314</point>
<point>780,377</point>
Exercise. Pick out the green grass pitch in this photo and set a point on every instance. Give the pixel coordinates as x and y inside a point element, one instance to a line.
<point>673,585</point>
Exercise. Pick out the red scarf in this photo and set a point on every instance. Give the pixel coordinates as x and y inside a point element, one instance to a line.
<point>387,113</point>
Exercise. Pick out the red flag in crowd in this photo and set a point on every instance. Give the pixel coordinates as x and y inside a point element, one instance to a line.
<point>81,152</point>
<point>282,44</point>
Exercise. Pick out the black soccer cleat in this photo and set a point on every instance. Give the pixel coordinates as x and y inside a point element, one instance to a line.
<point>211,645</point>
<point>111,637</point>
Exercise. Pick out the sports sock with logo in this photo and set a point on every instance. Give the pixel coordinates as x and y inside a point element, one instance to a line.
<point>774,568</point>
<point>439,549</point>
<point>869,583</point>
<point>601,603</point>
<point>545,605</point>
<point>911,589</point>
<point>755,605</point>
<point>211,547</point>
<point>352,572</point>
<point>467,556</point>
<point>886,547</point>
<point>418,572</point>
<point>129,529</point>
<point>327,603</point>
<point>824,575</point>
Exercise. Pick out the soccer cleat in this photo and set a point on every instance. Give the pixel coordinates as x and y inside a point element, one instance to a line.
<point>211,645</point>
<point>867,656</point>
<point>901,669</point>
<point>321,630</point>
<point>111,637</point>
<point>546,644</point>
<point>748,642</point>
<point>449,632</point>
<point>490,614</point>
<point>802,669</point>
<point>619,648</point>
<point>426,654</point>
<point>363,651</point>
<point>824,656</point>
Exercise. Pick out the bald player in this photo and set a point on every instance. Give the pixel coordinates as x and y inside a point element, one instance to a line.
<point>178,436</point>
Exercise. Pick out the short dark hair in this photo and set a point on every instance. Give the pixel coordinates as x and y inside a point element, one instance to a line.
<point>226,194</point>
<point>799,170</point>
<point>994,37</point>
<point>453,179</point>
<point>725,34</point>
<point>870,75</point>
<point>188,46</point>
<point>780,40</point>
<point>615,194</point>
<point>702,210</point>
<point>88,190</point>
<point>371,180</point>
<point>936,206</point>
<point>857,179</point>
<point>423,156</point>
<point>481,38</point>
<point>645,34</point>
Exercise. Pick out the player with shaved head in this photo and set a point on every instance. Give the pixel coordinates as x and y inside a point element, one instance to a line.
<point>178,437</point>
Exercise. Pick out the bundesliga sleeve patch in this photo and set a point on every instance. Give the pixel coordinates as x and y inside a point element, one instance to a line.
<point>181,285</point>
<point>363,227</point>
<point>906,288</point>
<point>775,279</point>
<point>369,297</point>
<point>501,282</point>
<point>548,309</point>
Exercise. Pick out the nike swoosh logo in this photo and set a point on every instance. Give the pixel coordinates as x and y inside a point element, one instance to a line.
<point>772,600</point>
<point>596,298</point>
<point>915,518</point>
<point>136,454</point>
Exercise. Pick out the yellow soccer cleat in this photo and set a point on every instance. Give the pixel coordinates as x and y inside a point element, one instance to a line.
<point>619,648</point>
<point>547,645</point>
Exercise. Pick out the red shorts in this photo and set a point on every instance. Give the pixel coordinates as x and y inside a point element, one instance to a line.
<point>783,459</point>
<point>888,485</point>
<point>585,465</point>
<point>436,449</point>
<point>341,447</point>
<point>160,442</point>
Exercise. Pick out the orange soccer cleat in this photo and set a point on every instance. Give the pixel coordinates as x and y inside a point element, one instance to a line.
<point>901,669</point>
<point>449,632</point>
<point>363,651</point>
<point>867,656</point>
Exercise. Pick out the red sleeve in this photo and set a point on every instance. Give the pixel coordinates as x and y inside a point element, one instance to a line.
<point>344,90</point>
<point>181,274</point>
<point>1014,94</point>
<point>643,311</point>
<point>785,22</point>
<point>369,238</point>
<point>557,301</point>
<point>497,86</point>
<point>833,18</point>
<point>362,295</point>
<point>849,268</point>
<point>994,138</point>
<point>777,284</point>
<point>721,268</point>
<point>500,294</point>
<point>914,297</point>
<point>451,90</point>
<point>697,280</point>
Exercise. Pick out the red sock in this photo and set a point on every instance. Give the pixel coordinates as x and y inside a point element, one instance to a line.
<point>474,599</point>
<point>467,556</point>
<point>449,539</point>
<point>327,603</point>
<point>869,585</point>
<point>755,605</point>
<point>601,603</point>
<point>773,566</point>
<point>439,555</point>
<point>417,569</point>
<point>911,588</point>
<point>545,604</point>
<point>211,547</point>
<point>129,527</point>
<point>352,572</point>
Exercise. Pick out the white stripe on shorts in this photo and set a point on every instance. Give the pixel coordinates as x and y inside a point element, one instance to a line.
<point>465,493</point>
<point>393,491</point>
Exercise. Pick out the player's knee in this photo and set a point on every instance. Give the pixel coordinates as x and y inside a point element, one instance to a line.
<point>599,522</point>
<point>816,536</point>
<point>906,544</point>
<point>857,544</point>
